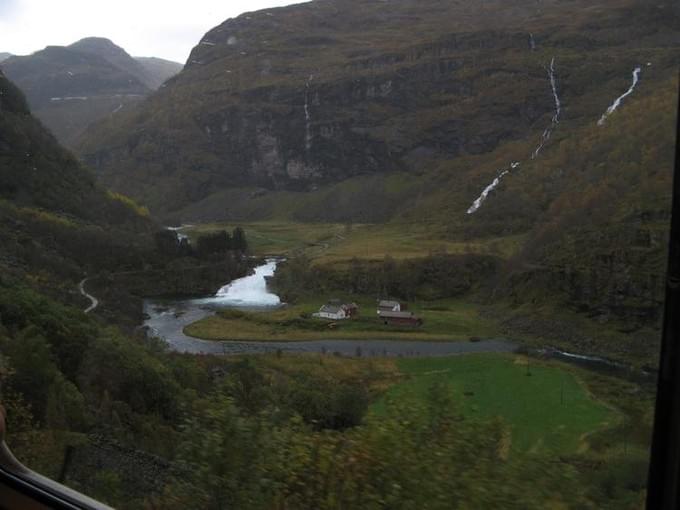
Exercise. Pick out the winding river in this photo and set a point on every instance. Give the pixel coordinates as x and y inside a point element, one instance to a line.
<point>168,318</point>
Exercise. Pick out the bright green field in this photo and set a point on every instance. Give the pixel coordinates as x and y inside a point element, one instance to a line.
<point>548,410</point>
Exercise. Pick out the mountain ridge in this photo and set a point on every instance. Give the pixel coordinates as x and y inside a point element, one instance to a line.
<point>69,87</point>
<point>263,109</point>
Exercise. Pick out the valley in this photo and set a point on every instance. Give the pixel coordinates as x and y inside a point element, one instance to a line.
<point>352,254</point>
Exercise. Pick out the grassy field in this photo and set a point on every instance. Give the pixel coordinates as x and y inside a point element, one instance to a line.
<point>548,410</point>
<point>333,242</point>
<point>447,320</point>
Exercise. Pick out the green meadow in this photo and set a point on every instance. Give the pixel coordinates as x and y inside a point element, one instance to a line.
<point>338,243</point>
<point>545,406</point>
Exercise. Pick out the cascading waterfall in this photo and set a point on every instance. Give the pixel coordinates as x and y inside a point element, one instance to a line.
<point>308,134</point>
<point>250,290</point>
<point>480,200</point>
<point>617,102</point>
<point>544,139</point>
<point>558,110</point>
<point>532,43</point>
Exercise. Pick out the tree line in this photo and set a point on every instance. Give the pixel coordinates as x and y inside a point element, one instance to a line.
<point>436,276</point>
<point>207,245</point>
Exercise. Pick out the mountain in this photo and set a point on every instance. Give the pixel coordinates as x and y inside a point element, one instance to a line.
<point>4,56</point>
<point>56,222</point>
<point>158,70</point>
<point>70,87</point>
<point>36,171</point>
<point>151,71</point>
<point>58,225</point>
<point>313,111</point>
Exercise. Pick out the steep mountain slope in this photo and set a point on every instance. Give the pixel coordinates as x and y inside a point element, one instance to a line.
<point>303,97</point>
<point>70,87</point>
<point>56,223</point>
<point>36,171</point>
<point>158,70</point>
<point>600,241</point>
<point>57,226</point>
<point>4,56</point>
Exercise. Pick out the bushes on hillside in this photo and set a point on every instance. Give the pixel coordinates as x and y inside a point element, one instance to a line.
<point>215,243</point>
<point>432,277</point>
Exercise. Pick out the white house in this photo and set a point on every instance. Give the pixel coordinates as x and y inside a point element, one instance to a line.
<point>335,312</point>
<point>389,306</point>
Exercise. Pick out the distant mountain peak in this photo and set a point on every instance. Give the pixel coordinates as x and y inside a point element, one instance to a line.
<point>96,45</point>
<point>70,87</point>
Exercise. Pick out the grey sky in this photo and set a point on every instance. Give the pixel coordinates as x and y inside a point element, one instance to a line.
<point>167,29</point>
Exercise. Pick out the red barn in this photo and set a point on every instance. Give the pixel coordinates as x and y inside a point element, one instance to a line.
<point>401,319</point>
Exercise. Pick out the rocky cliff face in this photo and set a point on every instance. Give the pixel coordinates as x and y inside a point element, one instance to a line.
<point>301,97</point>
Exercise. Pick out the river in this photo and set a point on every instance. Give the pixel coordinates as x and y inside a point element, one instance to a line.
<point>168,318</point>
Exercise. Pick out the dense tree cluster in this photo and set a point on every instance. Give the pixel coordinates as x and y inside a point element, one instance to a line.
<point>208,245</point>
<point>433,277</point>
<point>221,242</point>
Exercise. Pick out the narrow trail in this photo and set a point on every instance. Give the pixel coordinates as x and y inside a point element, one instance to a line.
<point>94,302</point>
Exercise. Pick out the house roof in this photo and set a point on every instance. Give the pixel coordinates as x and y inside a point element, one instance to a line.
<point>331,309</point>
<point>388,303</point>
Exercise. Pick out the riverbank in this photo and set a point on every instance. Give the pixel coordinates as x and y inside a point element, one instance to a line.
<point>443,321</point>
<point>168,321</point>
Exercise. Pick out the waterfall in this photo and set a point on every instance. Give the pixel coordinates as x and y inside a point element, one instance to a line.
<point>547,132</point>
<point>558,110</point>
<point>617,102</point>
<point>250,290</point>
<point>480,200</point>
<point>308,134</point>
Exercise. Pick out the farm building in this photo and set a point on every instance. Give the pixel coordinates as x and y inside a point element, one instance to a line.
<point>351,309</point>
<point>389,306</point>
<point>401,318</point>
<point>336,310</point>
<point>328,311</point>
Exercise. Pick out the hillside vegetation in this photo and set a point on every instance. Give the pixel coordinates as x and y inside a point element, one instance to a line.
<point>262,113</point>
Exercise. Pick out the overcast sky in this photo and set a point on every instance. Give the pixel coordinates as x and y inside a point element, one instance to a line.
<point>154,28</point>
